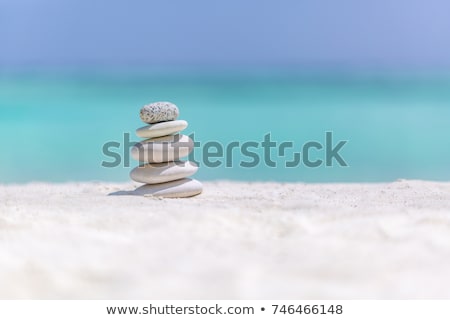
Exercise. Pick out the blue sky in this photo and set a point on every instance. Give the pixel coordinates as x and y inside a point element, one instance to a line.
<point>382,33</point>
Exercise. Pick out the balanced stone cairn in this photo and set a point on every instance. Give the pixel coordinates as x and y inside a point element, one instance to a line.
<point>162,171</point>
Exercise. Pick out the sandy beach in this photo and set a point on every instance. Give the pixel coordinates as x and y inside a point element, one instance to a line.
<point>235,241</point>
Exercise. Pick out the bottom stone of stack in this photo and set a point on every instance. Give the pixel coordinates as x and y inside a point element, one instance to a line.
<point>182,188</point>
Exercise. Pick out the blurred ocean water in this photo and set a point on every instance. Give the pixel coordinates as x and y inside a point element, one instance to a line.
<point>53,127</point>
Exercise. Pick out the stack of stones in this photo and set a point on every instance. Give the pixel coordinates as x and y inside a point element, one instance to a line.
<point>161,169</point>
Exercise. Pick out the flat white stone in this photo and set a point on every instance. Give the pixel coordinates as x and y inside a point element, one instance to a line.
<point>152,173</point>
<point>158,112</point>
<point>162,149</point>
<point>161,129</point>
<point>182,188</point>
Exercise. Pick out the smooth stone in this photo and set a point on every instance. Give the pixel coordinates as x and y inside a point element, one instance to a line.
<point>182,188</point>
<point>152,173</point>
<point>162,149</point>
<point>158,112</point>
<point>161,129</point>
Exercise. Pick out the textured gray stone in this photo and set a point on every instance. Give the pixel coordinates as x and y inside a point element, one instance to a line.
<point>158,112</point>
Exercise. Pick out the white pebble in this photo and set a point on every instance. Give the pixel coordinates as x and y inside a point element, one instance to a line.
<point>161,129</point>
<point>162,149</point>
<point>152,173</point>
<point>174,189</point>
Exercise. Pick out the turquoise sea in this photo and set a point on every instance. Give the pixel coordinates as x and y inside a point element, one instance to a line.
<point>54,125</point>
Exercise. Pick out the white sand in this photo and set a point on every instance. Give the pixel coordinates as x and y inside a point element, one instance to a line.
<point>236,240</point>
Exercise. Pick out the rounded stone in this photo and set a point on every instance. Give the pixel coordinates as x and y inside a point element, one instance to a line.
<point>152,173</point>
<point>161,129</point>
<point>158,112</point>
<point>162,149</point>
<point>182,188</point>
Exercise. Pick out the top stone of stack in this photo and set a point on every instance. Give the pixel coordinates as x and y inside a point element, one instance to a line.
<point>159,112</point>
